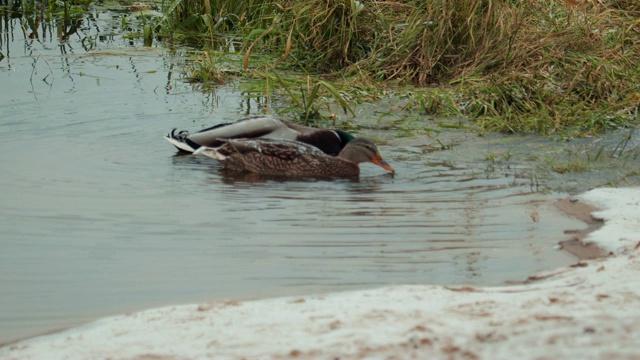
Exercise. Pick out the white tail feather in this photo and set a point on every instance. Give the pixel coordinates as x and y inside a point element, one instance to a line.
<point>210,152</point>
<point>179,144</point>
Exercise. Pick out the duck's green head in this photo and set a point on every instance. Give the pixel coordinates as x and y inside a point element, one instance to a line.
<point>345,137</point>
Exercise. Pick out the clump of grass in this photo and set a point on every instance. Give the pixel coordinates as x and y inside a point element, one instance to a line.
<point>434,41</point>
<point>498,156</point>
<point>579,74</point>
<point>526,66</point>
<point>434,101</point>
<point>205,69</point>
<point>308,96</point>
<point>205,21</point>
<point>316,35</point>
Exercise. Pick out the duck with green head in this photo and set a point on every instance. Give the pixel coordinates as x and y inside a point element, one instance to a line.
<point>330,142</point>
<point>293,158</point>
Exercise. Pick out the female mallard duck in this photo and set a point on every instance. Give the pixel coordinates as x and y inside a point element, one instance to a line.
<point>268,127</point>
<point>293,158</point>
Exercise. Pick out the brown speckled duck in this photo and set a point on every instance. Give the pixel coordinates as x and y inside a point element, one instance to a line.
<point>261,127</point>
<point>294,158</point>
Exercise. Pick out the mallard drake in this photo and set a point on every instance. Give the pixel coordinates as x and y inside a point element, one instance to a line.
<point>268,127</point>
<point>293,158</point>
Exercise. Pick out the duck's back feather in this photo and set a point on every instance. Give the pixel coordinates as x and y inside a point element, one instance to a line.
<point>253,127</point>
<point>283,158</point>
<point>261,127</point>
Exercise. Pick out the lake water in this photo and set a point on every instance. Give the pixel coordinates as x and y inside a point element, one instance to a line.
<point>100,216</point>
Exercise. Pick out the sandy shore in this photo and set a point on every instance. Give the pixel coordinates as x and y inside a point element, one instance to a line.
<point>590,310</point>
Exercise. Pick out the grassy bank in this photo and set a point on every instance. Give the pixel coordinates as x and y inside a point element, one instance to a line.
<point>525,66</point>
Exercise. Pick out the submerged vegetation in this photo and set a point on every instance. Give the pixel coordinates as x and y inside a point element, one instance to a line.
<point>34,13</point>
<point>525,66</point>
<point>41,19</point>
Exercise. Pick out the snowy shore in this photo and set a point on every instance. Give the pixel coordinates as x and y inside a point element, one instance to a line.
<point>590,310</point>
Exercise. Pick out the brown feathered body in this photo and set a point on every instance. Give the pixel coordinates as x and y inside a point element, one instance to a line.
<point>293,158</point>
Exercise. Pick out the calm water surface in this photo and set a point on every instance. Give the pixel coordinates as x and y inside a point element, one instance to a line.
<point>100,216</point>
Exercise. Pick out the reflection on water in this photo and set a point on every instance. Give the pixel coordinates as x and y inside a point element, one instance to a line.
<point>99,216</point>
